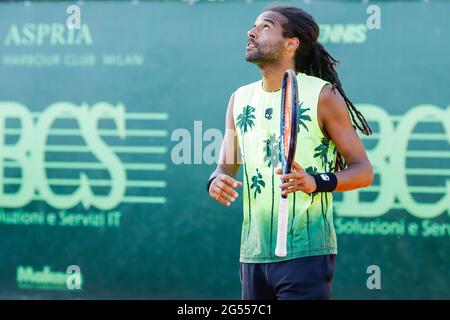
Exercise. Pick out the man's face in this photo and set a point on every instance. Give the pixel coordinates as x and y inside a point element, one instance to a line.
<point>265,39</point>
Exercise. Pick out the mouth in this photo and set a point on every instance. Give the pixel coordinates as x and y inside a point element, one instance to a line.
<point>251,45</point>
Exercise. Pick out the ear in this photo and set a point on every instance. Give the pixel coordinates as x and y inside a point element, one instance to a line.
<point>292,44</point>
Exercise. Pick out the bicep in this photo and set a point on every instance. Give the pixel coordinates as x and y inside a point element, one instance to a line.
<point>348,144</point>
<point>336,121</point>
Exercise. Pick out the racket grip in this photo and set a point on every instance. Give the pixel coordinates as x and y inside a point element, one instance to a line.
<point>283,211</point>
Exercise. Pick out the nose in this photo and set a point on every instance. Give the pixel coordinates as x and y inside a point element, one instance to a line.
<point>251,33</point>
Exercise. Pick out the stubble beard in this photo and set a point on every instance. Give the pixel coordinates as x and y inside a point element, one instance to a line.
<point>263,55</point>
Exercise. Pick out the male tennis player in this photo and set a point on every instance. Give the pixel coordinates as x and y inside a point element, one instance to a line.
<point>329,157</point>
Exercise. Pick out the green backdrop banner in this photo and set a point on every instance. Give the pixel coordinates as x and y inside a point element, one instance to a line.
<point>109,131</point>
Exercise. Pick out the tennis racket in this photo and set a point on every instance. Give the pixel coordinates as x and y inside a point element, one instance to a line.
<point>288,134</point>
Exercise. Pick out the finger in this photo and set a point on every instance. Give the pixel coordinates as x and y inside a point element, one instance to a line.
<point>222,193</point>
<point>228,190</point>
<point>222,200</point>
<point>291,183</point>
<point>230,181</point>
<point>298,187</point>
<point>292,189</point>
<point>278,171</point>
<point>296,166</point>
<point>217,195</point>
<point>292,175</point>
<point>286,192</point>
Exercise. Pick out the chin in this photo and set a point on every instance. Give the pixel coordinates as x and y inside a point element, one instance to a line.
<point>251,58</point>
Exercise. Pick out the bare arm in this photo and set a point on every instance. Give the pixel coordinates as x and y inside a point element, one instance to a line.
<point>228,158</point>
<point>222,187</point>
<point>336,124</point>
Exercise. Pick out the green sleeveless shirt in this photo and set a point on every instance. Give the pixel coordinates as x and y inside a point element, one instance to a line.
<point>257,120</point>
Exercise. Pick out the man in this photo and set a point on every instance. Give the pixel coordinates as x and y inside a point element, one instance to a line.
<point>286,38</point>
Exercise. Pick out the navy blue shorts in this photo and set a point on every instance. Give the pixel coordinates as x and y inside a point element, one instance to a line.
<point>307,278</point>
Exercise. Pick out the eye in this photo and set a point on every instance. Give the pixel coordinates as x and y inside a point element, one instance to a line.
<point>266,26</point>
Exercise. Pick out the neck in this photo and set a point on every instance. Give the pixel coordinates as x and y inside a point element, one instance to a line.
<point>273,75</point>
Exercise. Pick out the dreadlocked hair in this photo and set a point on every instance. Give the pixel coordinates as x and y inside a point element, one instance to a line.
<point>313,59</point>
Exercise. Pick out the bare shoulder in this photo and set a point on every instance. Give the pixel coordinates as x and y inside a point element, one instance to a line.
<point>231,101</point>
<point>230,107</point>
<point>332,99</point>
<point>230,112</point>
<point>332,110</point>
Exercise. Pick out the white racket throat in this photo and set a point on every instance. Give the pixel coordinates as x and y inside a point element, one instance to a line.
<point>283,213</point>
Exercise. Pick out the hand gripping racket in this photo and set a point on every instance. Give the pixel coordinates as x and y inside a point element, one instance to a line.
<point>288,134</point>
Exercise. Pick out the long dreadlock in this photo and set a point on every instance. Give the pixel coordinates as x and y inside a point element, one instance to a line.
<point>312,59</point>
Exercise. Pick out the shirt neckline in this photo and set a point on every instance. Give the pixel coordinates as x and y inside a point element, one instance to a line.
<point>275,91</point>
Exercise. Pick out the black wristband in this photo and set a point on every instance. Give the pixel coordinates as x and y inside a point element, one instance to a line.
<point>326,182</point>
<point>208,184</point>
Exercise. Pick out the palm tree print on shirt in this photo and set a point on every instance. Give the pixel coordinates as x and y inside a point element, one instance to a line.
<point>310,170</point>
<point>257,183</point>
<point>245,122</point>
<point>272,157</point>
<point>331,162</point>
<point>321,151</point>
<point>302,117</point>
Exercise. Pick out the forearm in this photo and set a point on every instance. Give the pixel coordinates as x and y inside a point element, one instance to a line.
<point>357,175</point>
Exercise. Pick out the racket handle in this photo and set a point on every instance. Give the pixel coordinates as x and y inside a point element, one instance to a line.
<point>283,212</point>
